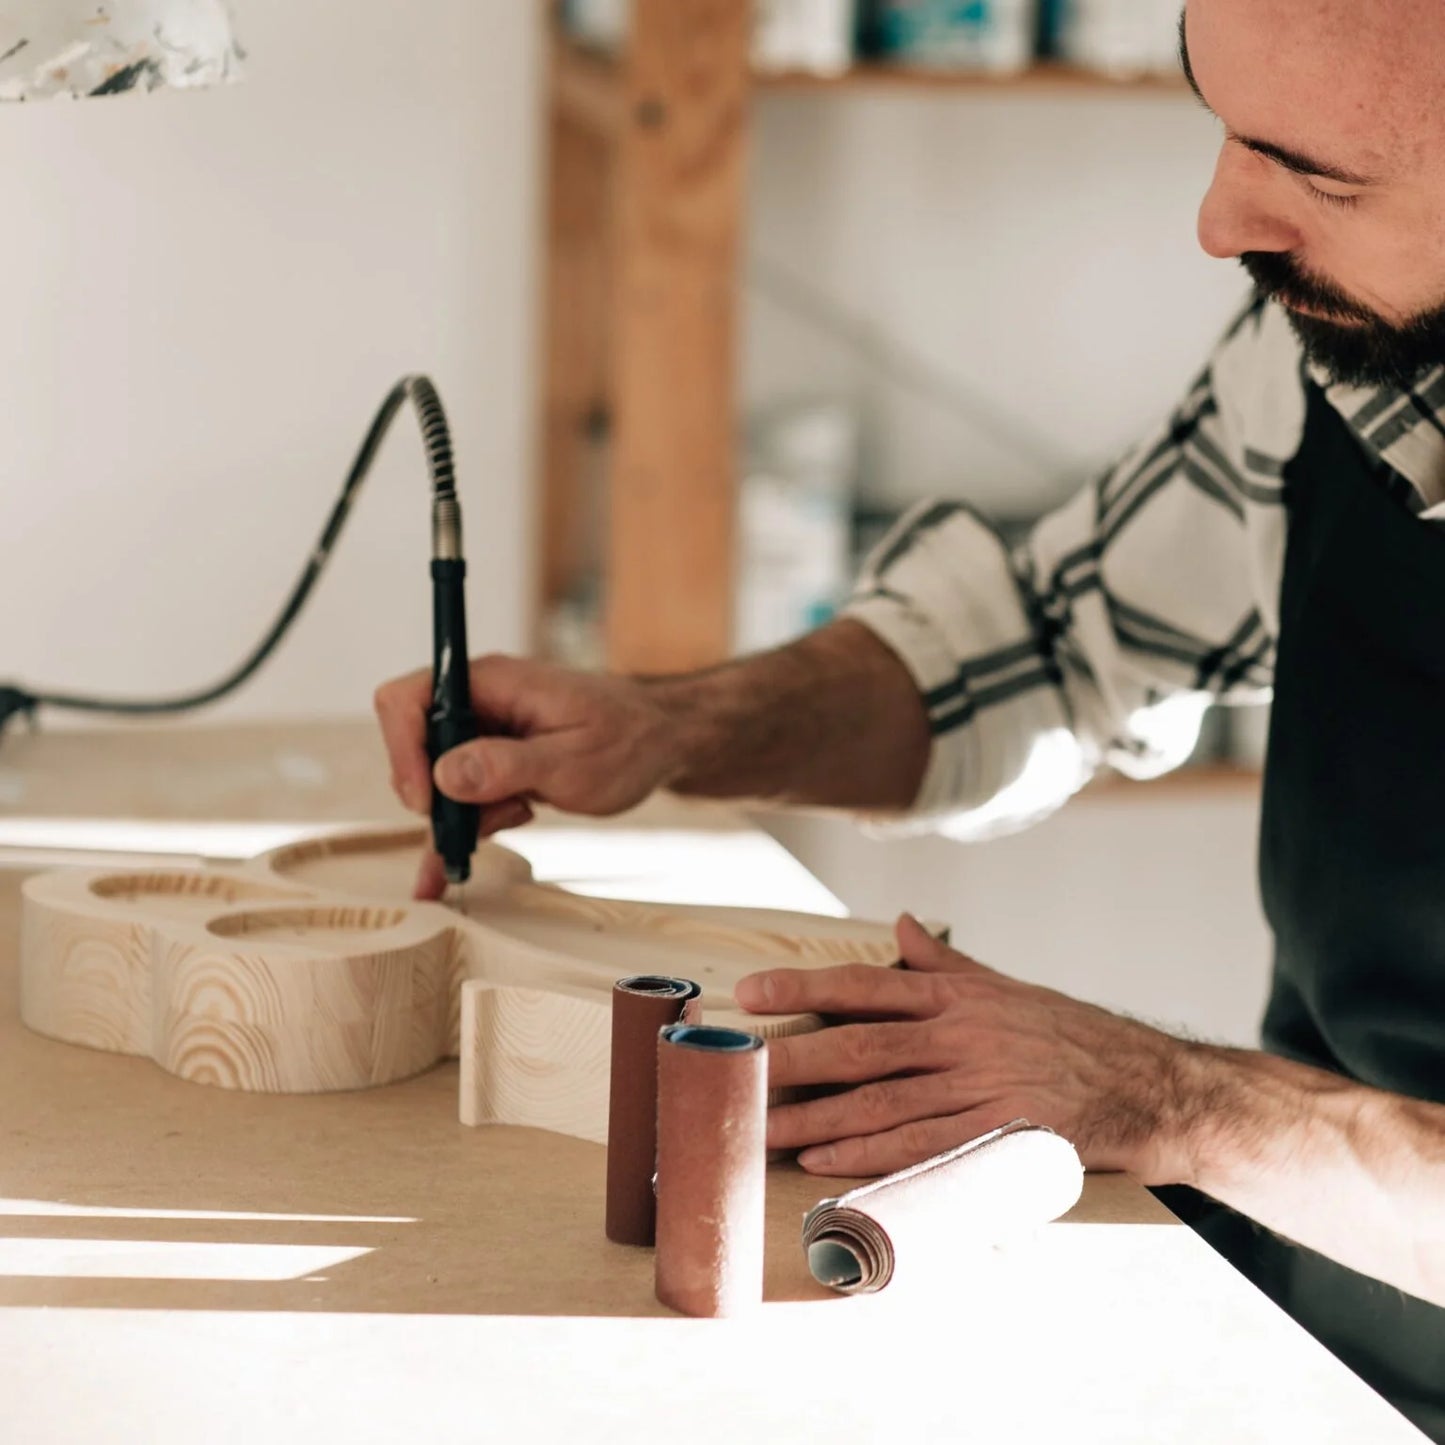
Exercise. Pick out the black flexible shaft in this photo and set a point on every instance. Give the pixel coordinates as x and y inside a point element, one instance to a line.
<point>436,439</point>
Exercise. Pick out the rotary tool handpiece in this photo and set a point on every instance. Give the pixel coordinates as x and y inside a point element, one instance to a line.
<point>450,721</point>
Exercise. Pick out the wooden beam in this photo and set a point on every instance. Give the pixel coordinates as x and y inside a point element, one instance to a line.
<point>680,178</point>
<point>577,305</point>
<point>586,87</point>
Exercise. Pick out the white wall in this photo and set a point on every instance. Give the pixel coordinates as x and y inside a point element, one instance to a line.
<point>1143,900</point>
<point>1038,249</point>
<point>205,296</point>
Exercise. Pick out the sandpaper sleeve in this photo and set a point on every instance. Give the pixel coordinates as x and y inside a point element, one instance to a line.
<point>711,1169</point>
<point>909,1225</point>
<point>641,1007</point>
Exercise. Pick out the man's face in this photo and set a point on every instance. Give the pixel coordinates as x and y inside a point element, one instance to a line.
<point>1330,187</point>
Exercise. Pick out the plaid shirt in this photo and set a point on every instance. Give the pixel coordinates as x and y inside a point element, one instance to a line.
<point>1151,594</point>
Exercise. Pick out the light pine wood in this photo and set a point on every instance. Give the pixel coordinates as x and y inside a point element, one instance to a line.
<point>311,969</point>
<point>535,1058</point>
<point>542,1058</point>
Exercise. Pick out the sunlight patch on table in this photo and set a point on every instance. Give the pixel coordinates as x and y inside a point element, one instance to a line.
<point>166,1259</point>
<point>60,1209</point>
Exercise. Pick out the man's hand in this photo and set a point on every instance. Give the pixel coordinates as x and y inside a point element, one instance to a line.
<point>946,1049</point>
<point>584,743</point>
<point>832,719</point>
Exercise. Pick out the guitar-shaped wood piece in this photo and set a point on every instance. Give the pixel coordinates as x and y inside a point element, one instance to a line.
<point>312,969</point>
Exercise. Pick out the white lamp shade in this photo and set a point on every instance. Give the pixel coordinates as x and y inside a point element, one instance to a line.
<point>106,47</point>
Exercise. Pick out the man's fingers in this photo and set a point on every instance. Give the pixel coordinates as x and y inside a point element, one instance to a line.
<point>896,1149</point>
<point>502,686</point>
<point>850,988</point>
<point>401,709</point>
<point>512,814</point>
<point>495,770</point>
<point>868,1109</point>
<point>848,1054</point>
<point>923,953</point>
<point>431,877</point>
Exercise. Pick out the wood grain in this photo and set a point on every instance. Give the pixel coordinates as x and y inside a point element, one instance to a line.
<point>311,970</point>
<point>535,1057</point>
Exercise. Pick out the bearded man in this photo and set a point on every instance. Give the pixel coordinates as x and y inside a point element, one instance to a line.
<point>1283,533</point>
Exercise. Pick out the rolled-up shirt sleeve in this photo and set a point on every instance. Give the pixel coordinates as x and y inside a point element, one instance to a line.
<point>1103,637</point>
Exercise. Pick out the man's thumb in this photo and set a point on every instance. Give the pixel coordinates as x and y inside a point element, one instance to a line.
<point>488,770</point>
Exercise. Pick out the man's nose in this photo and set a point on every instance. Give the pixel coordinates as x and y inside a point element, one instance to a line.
<point>1236,216</point>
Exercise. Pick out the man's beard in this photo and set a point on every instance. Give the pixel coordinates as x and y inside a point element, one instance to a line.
<point>1359,347</point>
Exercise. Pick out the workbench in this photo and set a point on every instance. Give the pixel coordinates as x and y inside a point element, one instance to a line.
<point>182,1263</point>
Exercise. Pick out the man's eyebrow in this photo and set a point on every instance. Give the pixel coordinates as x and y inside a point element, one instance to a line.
<point>1291,160</point>
<point>1184,64</point>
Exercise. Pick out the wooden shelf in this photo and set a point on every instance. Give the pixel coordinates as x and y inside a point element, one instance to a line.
<point>1043,78</point>
<point>589,82</point>
<point>646,195</point>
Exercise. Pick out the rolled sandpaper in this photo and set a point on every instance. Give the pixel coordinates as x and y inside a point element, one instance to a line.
<point>910,1224</point>
<point>641,1006</point>
<point>712,1091</point>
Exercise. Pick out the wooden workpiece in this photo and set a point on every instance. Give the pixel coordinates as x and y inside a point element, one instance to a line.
<point>311,969</point>
<point>183,1264</point>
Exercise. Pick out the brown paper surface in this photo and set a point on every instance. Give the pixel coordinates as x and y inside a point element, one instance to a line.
<point>711,1168</point>
<point>641,1006</point>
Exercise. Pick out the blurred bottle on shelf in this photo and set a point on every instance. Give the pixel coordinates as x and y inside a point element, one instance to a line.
<point>998,36</point>
<point>601,23</point>
<point>1115,37</point>
<point>816,36</point>
<point>795,522</point>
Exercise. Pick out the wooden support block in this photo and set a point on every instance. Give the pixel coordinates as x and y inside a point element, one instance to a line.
<point>535,1058</point>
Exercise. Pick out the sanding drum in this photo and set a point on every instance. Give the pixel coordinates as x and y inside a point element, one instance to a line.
<point>909,1225</point>
<point>712,1092</point>
<point>641,1007</point>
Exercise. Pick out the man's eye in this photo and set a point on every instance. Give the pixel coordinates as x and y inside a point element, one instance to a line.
<point>1330,198</point>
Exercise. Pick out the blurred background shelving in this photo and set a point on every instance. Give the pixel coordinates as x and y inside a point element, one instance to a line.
<point>996,281</point>
<point>648,135</point>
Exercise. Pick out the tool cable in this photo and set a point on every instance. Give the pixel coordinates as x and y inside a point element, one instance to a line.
<point>18,701</point>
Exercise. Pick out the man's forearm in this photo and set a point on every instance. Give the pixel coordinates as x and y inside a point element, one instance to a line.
<point>833,719</point>
<point>1351,1172</point>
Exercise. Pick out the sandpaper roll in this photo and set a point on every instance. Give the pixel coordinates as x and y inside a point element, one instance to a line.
<point>641,1007</point>
<point>912,1223</point>
<point>712,1104</point>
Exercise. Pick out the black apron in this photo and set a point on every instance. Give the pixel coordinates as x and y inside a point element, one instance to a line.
<point>1352,865</point>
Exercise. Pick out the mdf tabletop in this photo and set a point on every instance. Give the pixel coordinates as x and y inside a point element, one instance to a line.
<point>184,1263</point>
